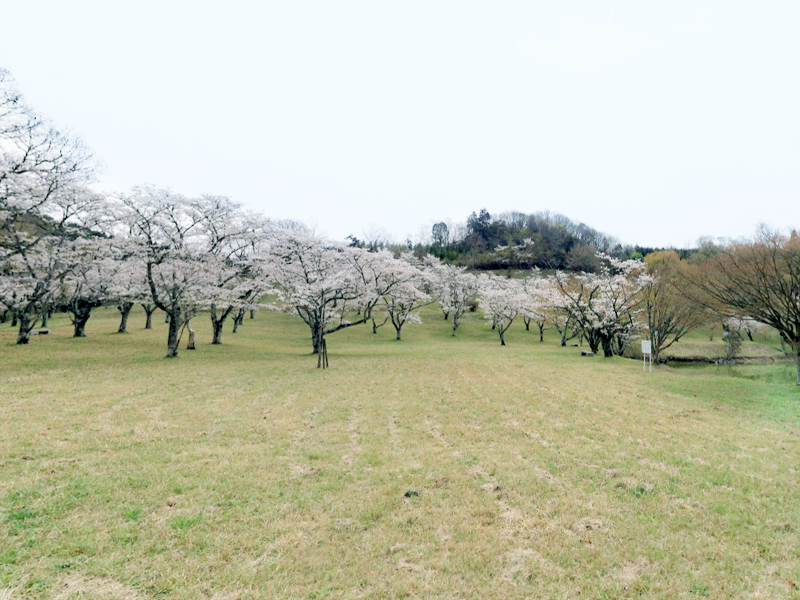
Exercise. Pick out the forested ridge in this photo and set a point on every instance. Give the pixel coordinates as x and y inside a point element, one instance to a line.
<point>489,242</point>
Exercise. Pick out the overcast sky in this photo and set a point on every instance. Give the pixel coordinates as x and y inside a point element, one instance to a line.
<point>656,124</point>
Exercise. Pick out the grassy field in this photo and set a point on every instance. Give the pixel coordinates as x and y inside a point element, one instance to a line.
<point>428,468</point>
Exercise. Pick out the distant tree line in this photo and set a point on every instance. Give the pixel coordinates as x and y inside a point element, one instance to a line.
<point>553,242</point>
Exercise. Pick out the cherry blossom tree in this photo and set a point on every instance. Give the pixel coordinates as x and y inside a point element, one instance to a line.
<point>233,237</point>
<point>173,245</point>
<point>747,325</point>
<point>606,305</point>
<point>503,300</point>
<point>562,320</point>
<point>44,206</point>
<point>30,282</point>
<point>538,295</point>
<point>517,255</point>
<point>89,283</point>
<point>36,259</point>
<point>328,285</point>
<point>454,287</point>
<point>403,299</point>
<point>128,287</point>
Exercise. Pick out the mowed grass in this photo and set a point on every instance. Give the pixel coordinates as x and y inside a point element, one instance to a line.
<point>435,467</point>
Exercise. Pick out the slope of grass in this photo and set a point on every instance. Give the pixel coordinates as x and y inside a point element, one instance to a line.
<point>435,467</point>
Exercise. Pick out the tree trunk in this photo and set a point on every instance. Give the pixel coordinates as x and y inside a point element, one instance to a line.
<point>797,360</point>
<point>527,324</point>
<point>81,311</point>
<point>218,322</point>
<point>190,341</point>
<point>594,342</point>
<point>124,310</point>
<point>238,320</point>
<point>375,325</point>
<point>447,314</point>
<point>25,327</point>
<point>618,345</point>
<point>608,350</point>
<point>398,328</point>
<point>252,313</point>
<point>541,331</point>
<point>149,309</point>
<point>657,341</point>
<point>46,317</point>
<point>3,317</point>
<point>79,324</point>
<point>502,337</point>
<point>172,336</point>
<point>322,356</point>
<point>15,320</point>
<point>217,327</point>
<point>79,327</point>
<point>316,337</point>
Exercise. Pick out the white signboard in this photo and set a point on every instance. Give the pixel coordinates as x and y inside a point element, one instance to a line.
<point>647,351</point>
<point>646,347</point>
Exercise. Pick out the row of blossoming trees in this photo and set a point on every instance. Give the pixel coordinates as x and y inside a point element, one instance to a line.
<point>64,246</point>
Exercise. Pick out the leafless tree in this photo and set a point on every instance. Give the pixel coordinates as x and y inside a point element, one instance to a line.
<point>670,314</point>
<point>759,279</point>
<point>440,234</point>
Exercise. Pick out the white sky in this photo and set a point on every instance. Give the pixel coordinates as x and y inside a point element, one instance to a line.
<point>656,124</point>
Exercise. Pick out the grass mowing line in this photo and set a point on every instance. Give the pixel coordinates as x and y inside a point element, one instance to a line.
<point>514,565</point>
<point>353,446</point>
<point>515,562</point>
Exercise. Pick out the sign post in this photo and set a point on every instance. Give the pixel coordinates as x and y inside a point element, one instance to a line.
<point>647,350</point>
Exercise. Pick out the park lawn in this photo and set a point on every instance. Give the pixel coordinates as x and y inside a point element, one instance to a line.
<point>435,467</point>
